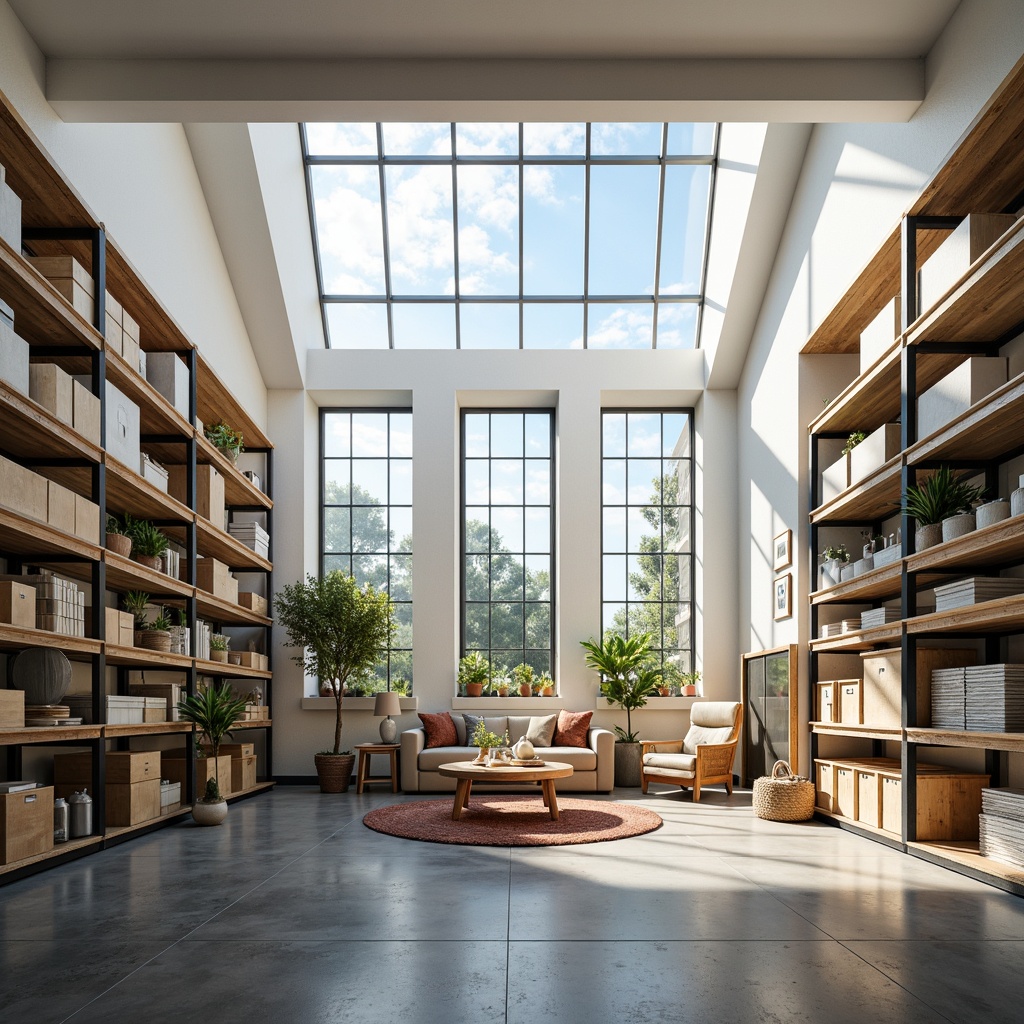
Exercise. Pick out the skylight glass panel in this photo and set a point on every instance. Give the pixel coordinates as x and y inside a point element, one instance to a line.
<point>488,230</point>
<point>554,224</point>
<point>357,325</point>
<point>346,204</point>
<point>612,139</point>
<point>553,325</point>
<point>341,139</point>
<point>555,139</point>
<point>684,228</point>
<point>623,230</point>
<point>677,325</point>
<point>424,324</point>
<point>489,325</point>
<point>420,232</point>
<point>613,326</point>
<point>690,139</point>
<point>487,139</point>
<point>430,139</point>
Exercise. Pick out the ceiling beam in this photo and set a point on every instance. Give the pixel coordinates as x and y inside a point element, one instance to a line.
<point>774,90</point>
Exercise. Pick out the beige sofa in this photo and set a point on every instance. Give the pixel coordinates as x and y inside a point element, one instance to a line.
<point>593,765</point>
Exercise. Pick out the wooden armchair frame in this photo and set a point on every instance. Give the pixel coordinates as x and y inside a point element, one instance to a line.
<point>713,762</point>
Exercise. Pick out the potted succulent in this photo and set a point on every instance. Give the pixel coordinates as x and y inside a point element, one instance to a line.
<point>943,497</point>
<point>474,670</point>
<point>214,711</point>
<point>136,602</point>
<point>628,679</point>
<point>225,439</point>
<point>148,544</point>
<point>341,631</point>
<point>118,539</point>
<point>156,635</point>
<point>219,647</point>
<point>522,676</point>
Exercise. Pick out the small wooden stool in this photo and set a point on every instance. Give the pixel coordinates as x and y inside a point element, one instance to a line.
<point>366,751</point>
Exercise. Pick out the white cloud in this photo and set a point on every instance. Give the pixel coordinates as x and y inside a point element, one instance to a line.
<point>621,327</point>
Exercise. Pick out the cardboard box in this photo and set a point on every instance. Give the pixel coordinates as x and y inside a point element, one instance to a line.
<point>130,352</point>
<point>113,307</point>
<point>18,605</point>
<point>970,382</point>
<point>123,429</point>
<point>169,375</point>
<point>209,490</point>
<point>233,750</point>
<point>22,491</point>
<point>851,702</point>
<point>26,824</point>
<point>243,773</point>
<point>173,762</point>
<point>127,803</point>
<point>13,359</point>
<point>254,602</point>
<point>880,335</point>
<point>60,507</point>
<point>12,703</point>
<point>155,709</point>
<point>874,451</point>
<point>156,474</point>
<point>215,578</point>
<point>251,659</point>
<point>169,693</point>
<point>123,766</point>
<point>119,627</point>
<point>87,520</point>
<point>71,279</point>
<point>85,412</point>
<point>50,386</point>
<point>130,325</point>
<point>835,479</point>
<point>10,213</point>
<point>113,335</point>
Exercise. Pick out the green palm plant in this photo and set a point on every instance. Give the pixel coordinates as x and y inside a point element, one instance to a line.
<point>942,495</point>
<point>628,677</point>
<point>214,711</point>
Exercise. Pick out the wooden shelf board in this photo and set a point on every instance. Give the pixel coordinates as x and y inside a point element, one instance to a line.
<point>1004,615</point>
<point>860,640</point>
<point>156,414</point>
<point>219,610</point>
<point>57,734</point>
<point>867,732</point>
<point>876,497</point>
<point>878,583</point>
<point>963,738</point>
<point>221,545</point>
<point>262,723</point>
<point>238,489</point>
<point>220,668</point>
<point>75,647</point>
<point>215,402</point>
<point>138,657</point>
<point>966,853</point>
<point>1000,545</point>
<point>117,832</point>
<point>59,850</point>
<point>871,398</point>
<point>127,491</point>
<point>862,826</point>
<point>123,575</point>
<point>146,729</point>
<point>34,432</point>
<point>22,536</point>
<point>260,787</point>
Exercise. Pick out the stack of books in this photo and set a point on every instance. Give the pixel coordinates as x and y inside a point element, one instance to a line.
<point>1001,825</point>
<point>879,617</point>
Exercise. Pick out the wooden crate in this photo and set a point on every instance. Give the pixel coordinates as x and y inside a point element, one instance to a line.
<point>243,773</point>
<point>173,769</point>
<point>209,490</point>
<point>948,804</point>
<point>883,688</point>
<point>254,602</point>
<point>851,702</point>
<point>123,766</point>
<point>26,824</point>
<point>215,578</point>
<point>869,797</point>
<point>233,750</point>
<point>132,804</point>
<point>826,706</point>
<point>824,784</point>
<point>12,709</point>
<point>18,604</point>
<point>844,799</point>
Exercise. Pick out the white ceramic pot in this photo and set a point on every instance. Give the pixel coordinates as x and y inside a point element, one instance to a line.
<point>957,526</point>
<point>992,512</point>
<point>1017,499</point>
<point>927,536</point>
<point>209,814</point>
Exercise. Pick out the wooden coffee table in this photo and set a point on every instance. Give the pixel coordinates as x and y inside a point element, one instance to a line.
<point>467,773</point>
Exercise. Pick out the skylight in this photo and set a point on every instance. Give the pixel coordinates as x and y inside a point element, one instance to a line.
<point>507,236</point>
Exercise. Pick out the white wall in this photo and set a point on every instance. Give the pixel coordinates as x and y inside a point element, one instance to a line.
<point>140,181</point>
<point>856,182</point>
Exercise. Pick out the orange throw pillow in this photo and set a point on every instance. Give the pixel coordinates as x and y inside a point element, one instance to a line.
<point>571,730</point>
<point>440,729</point>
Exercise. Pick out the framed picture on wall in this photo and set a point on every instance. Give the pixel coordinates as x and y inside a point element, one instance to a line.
<point>783,550</point>
<point>783,597</point>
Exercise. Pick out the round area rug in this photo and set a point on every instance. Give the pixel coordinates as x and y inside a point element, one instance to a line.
<point>501,820</point>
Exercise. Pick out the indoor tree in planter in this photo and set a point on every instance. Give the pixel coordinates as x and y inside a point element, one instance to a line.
<point>628,679</point>
<point>214,711</point>
<point>341,631</point>
<point>943,495</point>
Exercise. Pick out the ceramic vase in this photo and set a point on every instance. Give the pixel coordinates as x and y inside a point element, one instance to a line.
<point>992,512</point>
<point>957,526</point>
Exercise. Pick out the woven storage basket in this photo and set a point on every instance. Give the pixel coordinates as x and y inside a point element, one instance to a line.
<point>783,796</point>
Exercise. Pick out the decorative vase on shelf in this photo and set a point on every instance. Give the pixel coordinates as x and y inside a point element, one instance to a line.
<point>927,536</point>
<point>119,544</point>
<point>1017,499</point>
<point>957,526</point>
<point>992,512</point>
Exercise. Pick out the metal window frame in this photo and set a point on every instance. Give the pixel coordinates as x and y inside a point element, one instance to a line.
<point>519,161</point>
<point>463,603</point>
<point>662,411</point>
<point>322,502</point>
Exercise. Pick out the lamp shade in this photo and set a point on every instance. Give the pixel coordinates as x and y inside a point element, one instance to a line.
<point>387,704</point>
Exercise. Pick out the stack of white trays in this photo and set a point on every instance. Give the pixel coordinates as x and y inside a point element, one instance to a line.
<point>995,698</point>
<point>1001,825</point>
<point>253,536</point>
<point>879,617</point>
<point>949,702</point>
<point>974,590</point>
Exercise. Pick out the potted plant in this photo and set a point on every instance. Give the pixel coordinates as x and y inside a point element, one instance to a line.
<point>214,712</point>
<point>180,634</point>
<point>522,676</point>
<point>486,741</point>
<point>834,557</point>
<point>118,539</point>
<point>690,681</point>
<point>502,684</point>
<point>156,635</point>
<point>219,646</point>
<point>628,679</point>
<point>853,440</point>
<point>474,670</point>
<point>944,495</point>
<point>148,544</point>
<point>341,630</point>
<point>136,602</point>
<point>547,685</point>
<point>225,439</point>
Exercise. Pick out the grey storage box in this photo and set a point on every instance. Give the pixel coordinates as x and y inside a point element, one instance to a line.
<point>10,214</point>
<point>169,375</point>
<point>880,335</point>
<point>835,479</point>
<point>970,382</point>
<point>13,358</point>
<point>122,416</point>
<point>874,451</point>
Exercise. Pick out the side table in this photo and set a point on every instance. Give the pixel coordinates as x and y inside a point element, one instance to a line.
<point>366,751</point>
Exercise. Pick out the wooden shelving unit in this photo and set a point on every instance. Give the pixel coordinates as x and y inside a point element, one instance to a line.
<point>57,222</point>
<point>981,313</point>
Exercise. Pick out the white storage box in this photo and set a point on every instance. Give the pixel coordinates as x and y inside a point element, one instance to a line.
<point>169,375</point>
<point>880,335</point>
<point>13,358</point>
<point>10,214</point>
<point>835,479</point>
<point>126,710</point>
<point>154,473</point>
<point>970,382</point>
<point>170,796</point>
<point>123,429</point>
<point>874,451</point>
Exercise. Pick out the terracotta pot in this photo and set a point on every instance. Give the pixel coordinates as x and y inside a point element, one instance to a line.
<point>334,771</point>
<point>525,690</point>
<point>119,544</point>
<point>664,691</point>
<point>502,691</point>
<point>209,814</point>
<point>690,691</point>
<point>150,562</point>
<point>474,689</point>
<point>548,691</point>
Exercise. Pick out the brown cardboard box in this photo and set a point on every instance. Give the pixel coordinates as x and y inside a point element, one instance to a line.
<point>131,326</point>
<point>113,307</point>
<point>123,766</point>
<point>70,278</point>
<point>119,627</point>
<point>87,520</point>
<point>114,335</point>
<point>130,352</point>
<point>173,769</point>
<point>243,773</point>
<point>209,491</point>
<point>251,659</point>
<point>22,491</point>
<point>233,749</point>
<point>60,507</point>
<point>18,607</point>
<point>254,602</point>
<point>215,578</point>
<point>26,824</point>
<point>127,803</point>
<point>12,707</point>
<point>85,412</point>
<point>50,386</point>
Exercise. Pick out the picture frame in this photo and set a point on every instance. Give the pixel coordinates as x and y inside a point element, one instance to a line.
<point>783,596</point>
<point>782,548</point>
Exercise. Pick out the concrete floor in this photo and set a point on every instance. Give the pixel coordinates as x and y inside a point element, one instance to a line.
<point>295,911</point>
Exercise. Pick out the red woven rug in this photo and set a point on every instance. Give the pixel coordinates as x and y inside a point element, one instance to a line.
<point>502,820</point>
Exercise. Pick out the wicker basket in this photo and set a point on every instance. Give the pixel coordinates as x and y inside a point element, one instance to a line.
<point>783,796</point>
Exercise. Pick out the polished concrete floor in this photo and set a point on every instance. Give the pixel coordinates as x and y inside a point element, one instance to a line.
<point>295,911</point>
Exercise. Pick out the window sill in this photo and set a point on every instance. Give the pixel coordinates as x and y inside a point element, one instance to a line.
<point>353,703</point>
<point>654,704</point>
<point>507,703</point>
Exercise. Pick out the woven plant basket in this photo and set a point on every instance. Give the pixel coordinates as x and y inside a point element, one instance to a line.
<point>334,771</point>
<point>783,796</point>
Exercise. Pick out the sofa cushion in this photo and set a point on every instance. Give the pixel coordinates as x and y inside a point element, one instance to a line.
<point>676,762</point>
<point>572,727</point>
<point>583,759</point>
<point>460,730</point>
<point>430,760</point>
<point>699,734</point>
<point>541,730</point>
<point>439,729</point>
<point>471,723</point>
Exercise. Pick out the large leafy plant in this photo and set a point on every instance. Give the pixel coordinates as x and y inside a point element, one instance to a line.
<point>628,675</point>
<point>942,495</point>
<point>214,711</point>
<point>341,630</point>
